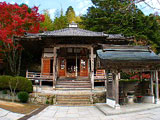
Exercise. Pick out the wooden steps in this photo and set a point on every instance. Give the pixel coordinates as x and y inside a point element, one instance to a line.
<point>73,100</point>
<point>73,84</point>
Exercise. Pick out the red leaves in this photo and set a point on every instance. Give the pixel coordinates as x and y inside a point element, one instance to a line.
<point>15,20</point>
<point>144,76</point>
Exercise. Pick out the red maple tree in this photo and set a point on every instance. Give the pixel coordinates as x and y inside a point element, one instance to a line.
<point>15,20</point>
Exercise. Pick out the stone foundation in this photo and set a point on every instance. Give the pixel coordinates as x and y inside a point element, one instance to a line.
<point>99,97</point>
<point>39,98</point>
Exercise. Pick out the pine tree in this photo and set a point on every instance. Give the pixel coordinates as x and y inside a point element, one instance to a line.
<point>70,14</point>
<point>60,21</point>
<point>117,16</point>
<point>47,24</point>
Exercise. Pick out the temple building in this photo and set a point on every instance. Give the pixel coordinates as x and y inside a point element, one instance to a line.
<point>74,59</point>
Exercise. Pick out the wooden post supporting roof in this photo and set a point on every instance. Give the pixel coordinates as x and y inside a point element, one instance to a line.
<point>156,88</point>
<point>92,67</point>
<point>54,66</point>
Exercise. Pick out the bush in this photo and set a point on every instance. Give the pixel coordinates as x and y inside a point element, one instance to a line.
<point>23,96</point>
<point>4,91</point>
<point>23,84</point>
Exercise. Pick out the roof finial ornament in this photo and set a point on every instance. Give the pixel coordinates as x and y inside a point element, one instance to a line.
<point>73,25</point>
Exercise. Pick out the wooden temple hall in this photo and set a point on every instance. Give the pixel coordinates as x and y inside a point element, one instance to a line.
<point>74,58</point>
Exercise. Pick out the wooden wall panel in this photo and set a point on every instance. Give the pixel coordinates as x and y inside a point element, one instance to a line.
<point>62,67</point>
<point>84,68</point>
<point>46,65</point>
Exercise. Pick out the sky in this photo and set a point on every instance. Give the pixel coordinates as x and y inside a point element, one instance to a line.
<point>80,6</point>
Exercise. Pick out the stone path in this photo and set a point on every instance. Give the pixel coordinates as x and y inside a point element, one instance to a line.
<point>81,113</point>
<point>91,113</point>
<point>129,108</point>
<point>7,115</point>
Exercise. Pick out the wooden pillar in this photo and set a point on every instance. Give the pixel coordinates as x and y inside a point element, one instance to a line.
<point>42,65</point>
<point>40,83</point>
<point>151,83</point>
<point>54,66</point>
<point>106,81</point>
<point>113,85</point>
<point>156,88</point>
<point>27,73</point>
<point>76,67</point>
<point>92,67</point>
<point>117,106</point>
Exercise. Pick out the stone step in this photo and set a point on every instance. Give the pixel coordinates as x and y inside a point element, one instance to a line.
<point>76,99</point>
<point>73,89</point>
<point>78,84</point>
<point>73,86</point>
<point>83,97</point>
<point>67,81</point>
<point>73,102</point>
<point>73,81</point>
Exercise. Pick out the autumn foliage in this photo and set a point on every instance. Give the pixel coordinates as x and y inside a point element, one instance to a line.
<point>15,20</point>
<point>138,77</point>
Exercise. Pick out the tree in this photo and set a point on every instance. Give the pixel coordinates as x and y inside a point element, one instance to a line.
<point>111,17</point>
<point>47,24</point>
<point>70,14</point>
<point>60,21</point>
<point>15,20</point>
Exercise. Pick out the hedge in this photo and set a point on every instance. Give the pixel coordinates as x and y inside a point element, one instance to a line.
<point>23,84</point>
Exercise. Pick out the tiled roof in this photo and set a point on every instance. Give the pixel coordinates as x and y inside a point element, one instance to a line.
<point>134,53</point>
<point>70,32</point>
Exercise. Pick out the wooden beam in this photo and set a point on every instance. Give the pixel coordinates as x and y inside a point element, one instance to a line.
<point>72,45</point>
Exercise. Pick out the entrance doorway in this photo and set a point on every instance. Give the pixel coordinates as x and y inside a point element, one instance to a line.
<point>73,67</point>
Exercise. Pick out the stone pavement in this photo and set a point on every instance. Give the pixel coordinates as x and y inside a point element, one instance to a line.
<point>7,115</point>
<point>92,113</point>
<point>82,113</point>
<point>128,108</point>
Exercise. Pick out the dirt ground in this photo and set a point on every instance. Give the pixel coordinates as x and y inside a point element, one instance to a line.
<point>18,107</point>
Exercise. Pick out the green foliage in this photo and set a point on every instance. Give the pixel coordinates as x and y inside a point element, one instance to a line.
<point>4,91</point>
<point>128,80</point>
<point>70,14</point>
<point>60,22</point>
<point>23,96</point>
<point>47,24</point>
<point>114,17</point>
<point>47,102</point>
<point>22,83</point>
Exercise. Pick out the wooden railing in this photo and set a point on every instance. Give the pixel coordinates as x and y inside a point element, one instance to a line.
<point>100,75</point>
<point>39,76</point>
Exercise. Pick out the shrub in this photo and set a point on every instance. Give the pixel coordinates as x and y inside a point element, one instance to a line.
<point>4,91</point>
<point>23,96</point>
<point>23,84</point>
<point>4,82</point>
